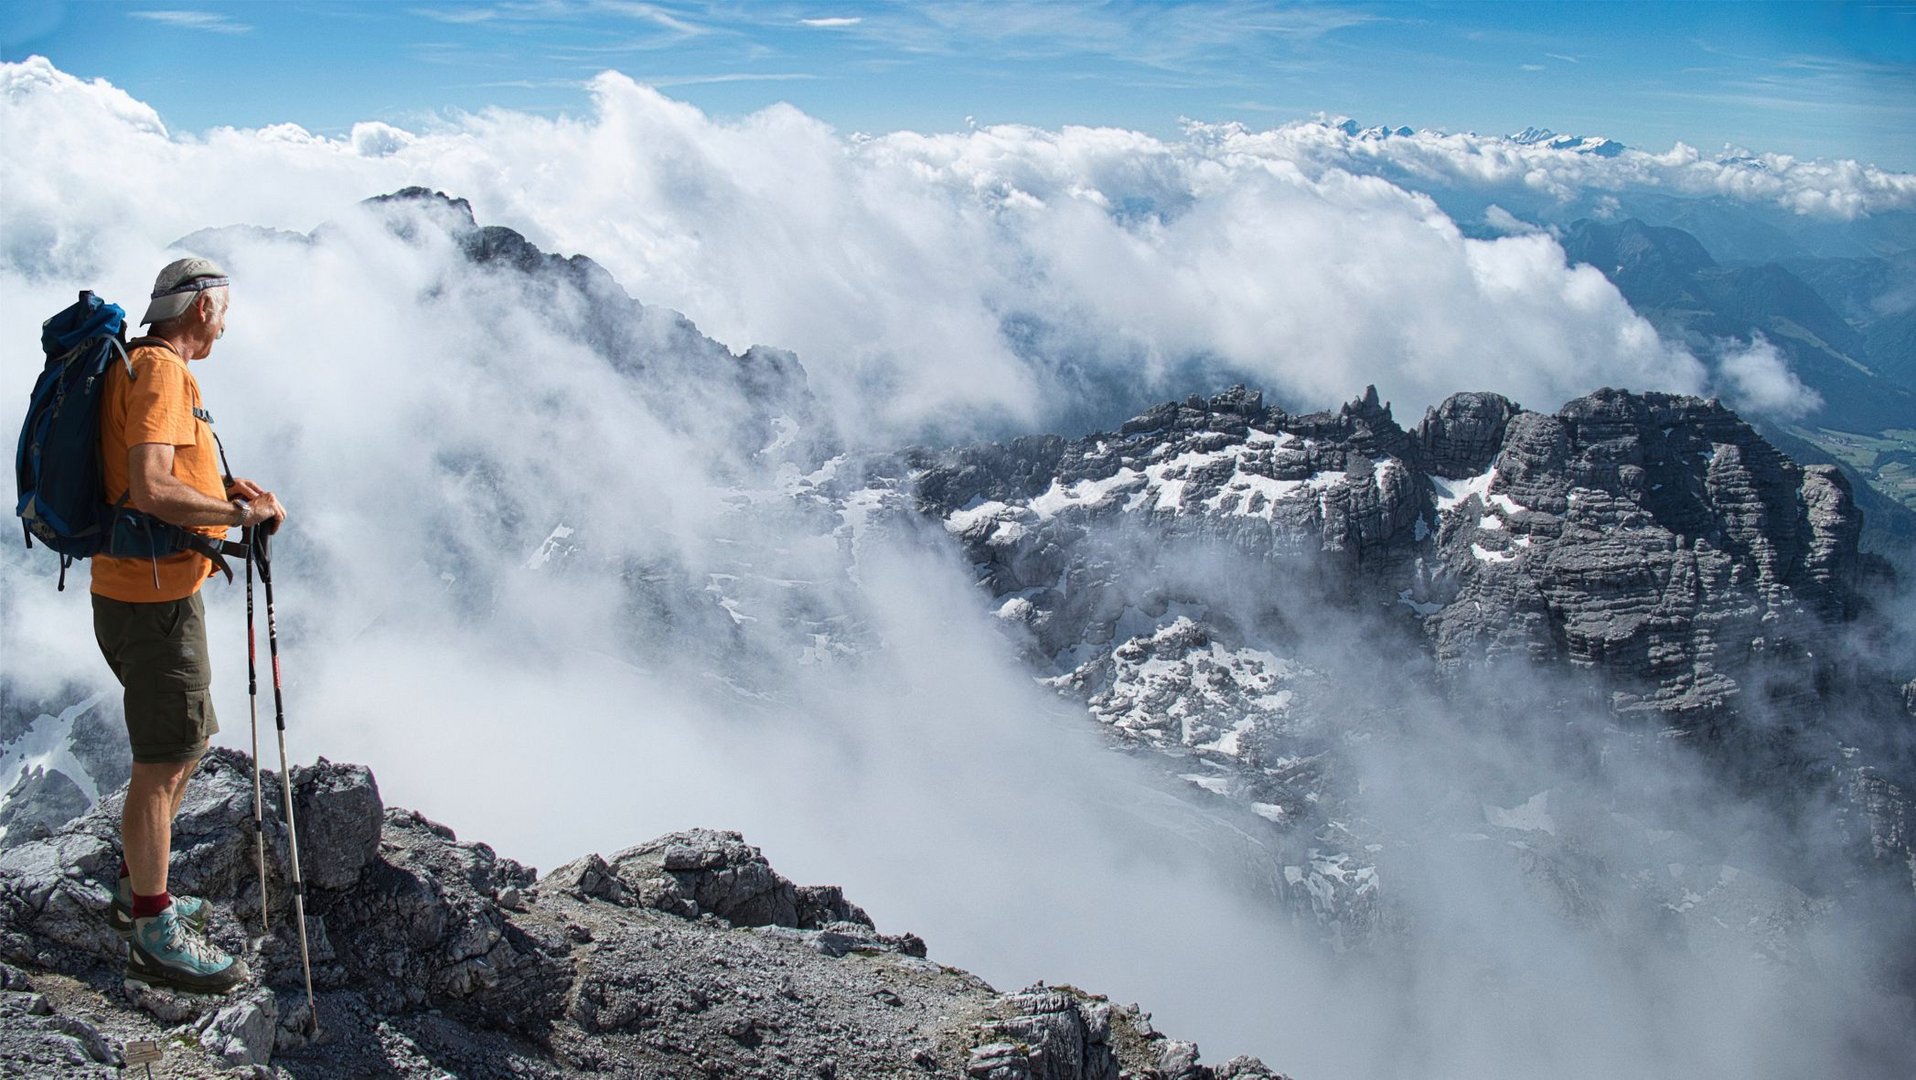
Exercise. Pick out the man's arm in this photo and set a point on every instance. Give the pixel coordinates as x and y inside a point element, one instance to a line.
<point>155,490</point>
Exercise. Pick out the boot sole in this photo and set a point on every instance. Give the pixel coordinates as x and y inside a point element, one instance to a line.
<point>224,983</point>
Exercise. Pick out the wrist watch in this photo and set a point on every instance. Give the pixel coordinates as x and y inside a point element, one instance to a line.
<point>245,508</point>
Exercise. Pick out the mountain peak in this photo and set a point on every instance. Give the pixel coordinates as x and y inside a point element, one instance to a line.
<point>1581,144</point>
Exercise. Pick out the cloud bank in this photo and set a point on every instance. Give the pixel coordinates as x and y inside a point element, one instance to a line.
<point>939,285</point>
<point>1568,170</point>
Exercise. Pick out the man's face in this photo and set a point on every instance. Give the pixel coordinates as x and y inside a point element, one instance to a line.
<point>217,301</point>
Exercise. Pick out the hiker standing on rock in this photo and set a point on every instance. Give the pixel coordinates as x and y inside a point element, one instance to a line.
<point>158,455</point>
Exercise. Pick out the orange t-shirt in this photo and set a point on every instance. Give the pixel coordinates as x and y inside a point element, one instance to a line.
<point>155,406</point>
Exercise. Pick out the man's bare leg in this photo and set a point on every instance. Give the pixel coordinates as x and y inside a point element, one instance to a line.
<point>146,826</point>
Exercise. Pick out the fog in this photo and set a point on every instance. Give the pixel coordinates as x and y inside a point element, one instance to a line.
<point>738,639</point>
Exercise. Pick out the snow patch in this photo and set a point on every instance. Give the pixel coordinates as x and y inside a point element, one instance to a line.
<point>1486,555</point>
<point>1532,816</point>
<point>784,430</point>
<point>1453,493</point>
<point>554,544</point>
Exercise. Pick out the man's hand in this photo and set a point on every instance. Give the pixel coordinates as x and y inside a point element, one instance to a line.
<point>240,487</point>
<point>264,509</point>
<point>267,510</point>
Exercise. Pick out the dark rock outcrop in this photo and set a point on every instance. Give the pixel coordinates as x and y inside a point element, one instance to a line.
<point>1649,559</point>
<point>40,802</point>
<point>685,956</point>
<point>1655,541</point>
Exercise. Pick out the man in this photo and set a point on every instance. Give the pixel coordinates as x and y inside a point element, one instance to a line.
<point>158,452</point>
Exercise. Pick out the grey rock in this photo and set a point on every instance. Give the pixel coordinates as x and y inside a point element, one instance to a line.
<point>169,1008</point>
<point>1462,436</point>
<point>589,877</point>
<point>243,1032</point>
<point>1245,1068</point>
<point>1057,1035</point>
<point>1179,1061</point>
<point>41,801</point>
<point>421,971</point>
<point>999,1061</point>
<point>38,1042</point>
<point>339,814</point>
<point>718,873</point>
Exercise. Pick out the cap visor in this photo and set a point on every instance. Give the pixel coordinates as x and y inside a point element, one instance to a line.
<point>167,307</point>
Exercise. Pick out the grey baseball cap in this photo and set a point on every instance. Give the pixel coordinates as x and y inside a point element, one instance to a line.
<point>179,284</point>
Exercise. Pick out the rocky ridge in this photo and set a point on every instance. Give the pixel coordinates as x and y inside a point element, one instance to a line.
<point>685,956</point>
<point>1645,562</point>
<point>1656,540</point>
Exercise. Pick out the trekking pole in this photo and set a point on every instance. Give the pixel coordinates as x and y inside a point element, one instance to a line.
<point>252,701</point>
<point>258,550</point>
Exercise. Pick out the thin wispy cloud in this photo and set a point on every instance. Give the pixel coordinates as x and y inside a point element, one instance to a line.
<point>563,11</point>
<point>1562,57</point>
<point>1531,67</point>
<point>826,24</point>
<point>530,84</point>
<point>730,77</point>
<point>1168,36</point>
<point>457,16</point>
<point>651,13</point>
<point>211,22</point>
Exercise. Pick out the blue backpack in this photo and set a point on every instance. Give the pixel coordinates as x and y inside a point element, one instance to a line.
<point>63,500</point>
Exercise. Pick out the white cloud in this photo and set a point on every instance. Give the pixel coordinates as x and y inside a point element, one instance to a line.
<point>1506,222</point>
<point>1757,380</point>
<point>210,21</point>
<point>835,21</point>
<point>1426,159</point>
<point>374,139</point>
<point>962,282</point>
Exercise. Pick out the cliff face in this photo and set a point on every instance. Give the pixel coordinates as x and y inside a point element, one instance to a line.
<point>1261,600</point>
<point>685,956</point>
<point>1655,540</point>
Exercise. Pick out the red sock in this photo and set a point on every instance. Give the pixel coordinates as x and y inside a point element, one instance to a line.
<point>145,907</point>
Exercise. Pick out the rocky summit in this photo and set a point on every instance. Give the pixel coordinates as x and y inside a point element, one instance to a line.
<point>1654,539</point>
<point>1260,599</point>
<point>687,956</point>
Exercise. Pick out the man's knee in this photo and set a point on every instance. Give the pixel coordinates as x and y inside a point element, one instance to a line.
<point>160,778</point>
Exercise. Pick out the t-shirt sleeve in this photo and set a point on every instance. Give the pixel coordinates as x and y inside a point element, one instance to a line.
<point>158,409</point>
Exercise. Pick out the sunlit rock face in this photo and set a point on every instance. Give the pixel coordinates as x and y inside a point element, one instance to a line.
<point>1655,540</point>
<point>1633,567</point>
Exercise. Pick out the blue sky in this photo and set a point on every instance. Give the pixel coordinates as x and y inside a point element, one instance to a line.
<point>1821,80</point>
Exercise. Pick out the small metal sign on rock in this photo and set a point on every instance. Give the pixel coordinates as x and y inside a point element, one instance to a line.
<point>142,1052</point>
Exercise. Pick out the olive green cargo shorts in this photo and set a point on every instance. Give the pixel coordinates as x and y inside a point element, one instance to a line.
<point>158,652</point>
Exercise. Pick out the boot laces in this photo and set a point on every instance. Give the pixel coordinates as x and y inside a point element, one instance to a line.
<point>181,939</point>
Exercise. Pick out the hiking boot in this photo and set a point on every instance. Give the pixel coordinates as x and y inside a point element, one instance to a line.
<point>164,952</point>
<point>119,914</point>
